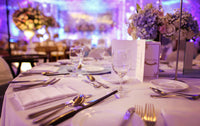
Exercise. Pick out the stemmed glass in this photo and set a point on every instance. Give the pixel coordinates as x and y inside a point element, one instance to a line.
<point>76,55</point>
<point>120,64</point>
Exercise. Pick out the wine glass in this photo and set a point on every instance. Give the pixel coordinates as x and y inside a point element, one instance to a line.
<point>121,65</point>
<point>76,55</point>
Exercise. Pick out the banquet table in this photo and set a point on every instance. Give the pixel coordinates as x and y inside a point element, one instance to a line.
<point>174,111</point>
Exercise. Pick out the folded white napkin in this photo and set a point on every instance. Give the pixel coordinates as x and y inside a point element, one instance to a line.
<point>182,117</point>
<point>38,96</point>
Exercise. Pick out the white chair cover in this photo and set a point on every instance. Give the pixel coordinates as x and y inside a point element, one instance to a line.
<point>5,73</point>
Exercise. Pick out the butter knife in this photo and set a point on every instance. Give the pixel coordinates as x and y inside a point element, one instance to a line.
<point>74,111</point>
<point>127,116</point>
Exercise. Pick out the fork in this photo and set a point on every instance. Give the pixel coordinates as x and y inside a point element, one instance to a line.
<point>139,111</point>
<point>149,115</point>
<point>48,82</point>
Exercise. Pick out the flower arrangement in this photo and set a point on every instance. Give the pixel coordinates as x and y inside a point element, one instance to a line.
<point>50,21</point>
<point>145,23</point>
<point>171,22</point>
<point>28,18</point>
<point>149,23</point>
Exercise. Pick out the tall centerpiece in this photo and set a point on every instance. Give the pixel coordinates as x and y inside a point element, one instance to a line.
<point>145,24</point>
<point>189,28</point>
<point>49,21</point>
<point>29,20</point>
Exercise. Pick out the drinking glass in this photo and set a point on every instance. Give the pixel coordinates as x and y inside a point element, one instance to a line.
<point>76,55</point>
<point>120,65</point>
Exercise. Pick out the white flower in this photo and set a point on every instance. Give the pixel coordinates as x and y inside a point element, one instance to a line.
<point>170,29</point>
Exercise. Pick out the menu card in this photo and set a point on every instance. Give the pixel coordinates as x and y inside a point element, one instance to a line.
<point>136,49</point>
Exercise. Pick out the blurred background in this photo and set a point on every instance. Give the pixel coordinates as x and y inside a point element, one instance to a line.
<point>95,20</point>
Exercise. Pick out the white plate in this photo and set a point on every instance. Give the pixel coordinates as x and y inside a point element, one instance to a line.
<point>92,68</point>
<point>103,117</point>
<point>170,85</point>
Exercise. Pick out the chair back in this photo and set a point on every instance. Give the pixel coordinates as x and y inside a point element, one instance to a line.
<point>5,72</point>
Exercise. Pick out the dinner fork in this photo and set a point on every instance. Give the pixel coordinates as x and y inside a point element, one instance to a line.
<point>48,82</point>
<point>149,115</point>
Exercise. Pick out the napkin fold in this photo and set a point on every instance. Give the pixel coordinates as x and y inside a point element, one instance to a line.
<point>38,96</point>
<point>181,117</point>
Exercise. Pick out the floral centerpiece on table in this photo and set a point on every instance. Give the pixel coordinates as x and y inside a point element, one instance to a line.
<point>145,23</point>
<point>28,18</point>
<point>171,22</point>
<point>49,21</point>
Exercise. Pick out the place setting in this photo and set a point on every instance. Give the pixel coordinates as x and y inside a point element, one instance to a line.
<point>165,88</point>
<point>99,63</point>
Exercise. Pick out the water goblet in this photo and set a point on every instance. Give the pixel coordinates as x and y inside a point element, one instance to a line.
<point>76,55</point>
<point>121,65</point>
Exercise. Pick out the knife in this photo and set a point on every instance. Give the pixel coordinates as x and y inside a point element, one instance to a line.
<point>24,81</point>
<point>74,111</point>
<point>53,74</point>
<point>127,116</point>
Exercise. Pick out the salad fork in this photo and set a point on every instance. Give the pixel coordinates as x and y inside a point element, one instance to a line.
<point>149,115</point>
<point>139,111</point>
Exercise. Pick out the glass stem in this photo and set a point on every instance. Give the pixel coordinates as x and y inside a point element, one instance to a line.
<point>120,84</point>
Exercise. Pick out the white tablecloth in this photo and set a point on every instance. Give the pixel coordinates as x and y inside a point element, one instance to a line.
<point>169,111</point>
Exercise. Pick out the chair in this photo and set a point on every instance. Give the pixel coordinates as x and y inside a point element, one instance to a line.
<point>60,52</point>
<point>5,77</point>
<point>5,72</point>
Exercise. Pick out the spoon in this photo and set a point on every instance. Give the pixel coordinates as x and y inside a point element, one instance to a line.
<point>79,66</point>
<point>173,94</point>
<point>158,91</point>
<point>78,100</point>
<point>195,97</point>
<point>74,101</point>
<point>92,79</point>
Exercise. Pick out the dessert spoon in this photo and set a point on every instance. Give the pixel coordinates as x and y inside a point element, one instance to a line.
<point>92,79</point>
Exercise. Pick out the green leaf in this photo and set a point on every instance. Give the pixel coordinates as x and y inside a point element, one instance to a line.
<point>138,8</point>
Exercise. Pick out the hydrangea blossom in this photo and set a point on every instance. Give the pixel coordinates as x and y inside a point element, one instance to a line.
<point>145,23</point>
<point>189,26</point>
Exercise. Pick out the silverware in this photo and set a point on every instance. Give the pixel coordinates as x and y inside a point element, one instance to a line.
<point>72,112</point>
<point>127,116</point>
<point>149,115</point>
<point>78,100</point>
<point>93,84</point>
<point>139,111</point>
<point>46,83</point>
<point>21,81</point>
<point>158,91</point>
<point>92,79</point>
<point>192,97</point>
<point>163,94</point>
<point>74,101</point>
<point>55,73</point>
